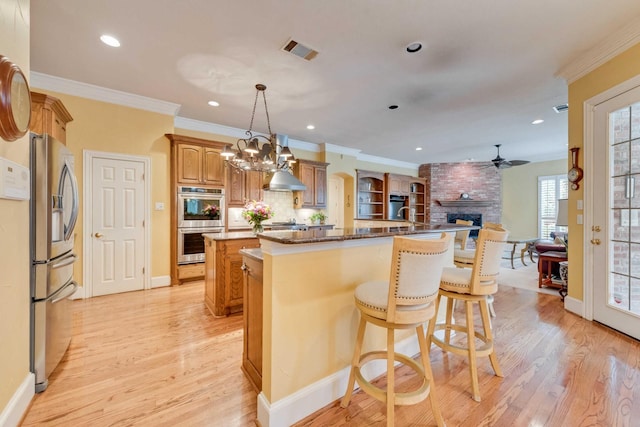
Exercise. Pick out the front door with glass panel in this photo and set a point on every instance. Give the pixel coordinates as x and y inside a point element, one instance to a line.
<point>615,237</point>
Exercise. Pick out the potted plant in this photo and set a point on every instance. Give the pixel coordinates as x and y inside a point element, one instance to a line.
<point>318,217</point>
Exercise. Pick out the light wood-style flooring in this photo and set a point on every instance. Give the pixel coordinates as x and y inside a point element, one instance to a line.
<point>158,358</point>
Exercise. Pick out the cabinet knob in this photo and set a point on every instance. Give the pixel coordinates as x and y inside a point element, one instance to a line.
<point>244,267</point>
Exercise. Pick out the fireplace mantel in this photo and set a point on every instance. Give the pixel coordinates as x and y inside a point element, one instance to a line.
<point>463,203</point>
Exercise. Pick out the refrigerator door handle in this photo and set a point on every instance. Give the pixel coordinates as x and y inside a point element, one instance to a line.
<point>74,200</point>
<point>69,259</point>
<point>63,293</point>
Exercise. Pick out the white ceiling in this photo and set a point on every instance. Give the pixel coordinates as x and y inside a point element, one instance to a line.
<point>487,68</point>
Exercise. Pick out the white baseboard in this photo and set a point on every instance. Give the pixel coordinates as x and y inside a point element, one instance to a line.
<point>308,400</point>
<point>574,305</point>
<point>19,403</point>
<point>160,281</point>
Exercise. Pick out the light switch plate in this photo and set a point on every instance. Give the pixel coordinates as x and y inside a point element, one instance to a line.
<point>579,219</point>
<point>159,206</point>
<point>580,205</point>
<point>15,180</point>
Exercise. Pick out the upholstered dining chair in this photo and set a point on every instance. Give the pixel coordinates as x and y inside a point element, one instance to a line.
<point>471,286</point>
<point>406,301</point>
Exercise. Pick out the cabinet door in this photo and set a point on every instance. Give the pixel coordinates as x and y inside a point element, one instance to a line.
<point>189,164</point>
<point>235,196</point>
<point>253,185</point>
<point>234,277</point>
<point>320,187</point>
<point>252,314</point>
<point>213,168</point>
<point>307,176</point>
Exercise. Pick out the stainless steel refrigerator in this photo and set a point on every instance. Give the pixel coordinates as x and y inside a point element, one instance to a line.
<point>53,214</point>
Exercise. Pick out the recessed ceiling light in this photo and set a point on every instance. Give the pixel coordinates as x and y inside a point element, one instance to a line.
<point>414,47</point>
<point>393,107</point>
<point>537,122</point>
<point>311,127</point>
<point>110,40</point>
<point>214,103</point>
<point>418,148</point>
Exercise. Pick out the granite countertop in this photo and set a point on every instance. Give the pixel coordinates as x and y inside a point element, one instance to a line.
<point>232,235</point>
<point>255,253</point>
<point>341,234</point>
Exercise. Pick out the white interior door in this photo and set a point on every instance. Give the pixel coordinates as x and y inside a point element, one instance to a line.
<point>117,225</point>
<point>615,234</point>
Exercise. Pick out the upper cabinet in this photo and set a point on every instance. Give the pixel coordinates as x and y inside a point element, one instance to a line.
<point>243,186</point>
<point>199,165</point>
<point>48,115</point>
<point>314,176</point>
<point>398,185</point>
<point>371,195</point>
<point>197,161</point>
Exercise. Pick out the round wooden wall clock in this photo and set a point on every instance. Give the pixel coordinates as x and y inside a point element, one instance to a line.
<point>15,101</point>
<point>575,173</point>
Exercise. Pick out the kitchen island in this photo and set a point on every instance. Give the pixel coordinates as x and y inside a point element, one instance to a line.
<point>309,316</point>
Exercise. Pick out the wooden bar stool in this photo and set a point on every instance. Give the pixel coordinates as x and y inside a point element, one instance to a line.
<point>473,285</point>
<point>406,301</point>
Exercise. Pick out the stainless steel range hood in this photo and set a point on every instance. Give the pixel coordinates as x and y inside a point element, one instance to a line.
<point>282,180</point>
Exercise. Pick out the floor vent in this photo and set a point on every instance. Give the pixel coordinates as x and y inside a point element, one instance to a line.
<point>561,108</point>
<point>300,50</point>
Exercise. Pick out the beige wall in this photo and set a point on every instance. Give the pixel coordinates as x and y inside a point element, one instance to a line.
<point>100,126</point>
<point>520,196</point>
<point>14,224</point>
<point>619,69</point>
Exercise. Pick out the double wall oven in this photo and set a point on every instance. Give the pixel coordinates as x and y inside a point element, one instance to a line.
<point>200,210</point>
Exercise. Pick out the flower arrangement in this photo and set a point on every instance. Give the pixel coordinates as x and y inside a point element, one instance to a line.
<point>318,217</point>
<point>211,211</point>
<point>256,212</point>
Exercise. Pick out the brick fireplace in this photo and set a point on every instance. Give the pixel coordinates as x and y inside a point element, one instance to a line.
<point>447,181</point>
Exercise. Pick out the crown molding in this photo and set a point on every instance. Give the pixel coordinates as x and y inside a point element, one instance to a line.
<point>339,149</point>
<point>619,41</point>
<point>208,127</point>
<point>98,93</point>
<point>388,162</point>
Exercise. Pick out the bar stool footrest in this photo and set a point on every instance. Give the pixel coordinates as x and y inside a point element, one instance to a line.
<point>402,398</point>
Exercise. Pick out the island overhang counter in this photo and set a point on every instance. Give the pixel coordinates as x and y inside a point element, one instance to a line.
<point>309,316</point>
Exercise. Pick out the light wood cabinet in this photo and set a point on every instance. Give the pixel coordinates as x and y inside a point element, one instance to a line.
<point>194,162</point>
<point>243,186</point>
<point>223,278</point>
<point>49,115</point>
<point>417,198</point>
<point>199,165</point>
<point>252,316</point>
<point>314,176</point>
<point>371,195</point>
<point>398,185</point>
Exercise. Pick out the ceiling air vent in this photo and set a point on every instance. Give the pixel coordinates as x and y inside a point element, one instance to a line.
<point>561,108</point>
<point>300,50</point>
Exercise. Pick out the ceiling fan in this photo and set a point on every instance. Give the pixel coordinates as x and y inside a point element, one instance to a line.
<point>502,163</point>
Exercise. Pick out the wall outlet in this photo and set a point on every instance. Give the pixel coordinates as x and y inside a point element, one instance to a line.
<point>159,206</point>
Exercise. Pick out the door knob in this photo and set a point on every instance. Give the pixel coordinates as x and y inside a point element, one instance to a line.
<point>98,235</point>
<point>595,241</point>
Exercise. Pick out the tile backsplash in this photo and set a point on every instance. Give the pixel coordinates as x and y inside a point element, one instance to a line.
<point>282,204</point>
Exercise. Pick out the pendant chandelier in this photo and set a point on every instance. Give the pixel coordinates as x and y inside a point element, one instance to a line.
<point>259,152</point>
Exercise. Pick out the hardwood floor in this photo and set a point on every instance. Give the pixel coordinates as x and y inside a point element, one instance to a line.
<point>158,358</point>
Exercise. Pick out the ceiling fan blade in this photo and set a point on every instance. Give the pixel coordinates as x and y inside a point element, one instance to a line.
<point>504,165</point>
<point>518,162</point>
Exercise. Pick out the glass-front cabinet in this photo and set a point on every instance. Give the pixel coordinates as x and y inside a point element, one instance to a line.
<point>371,195</point>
